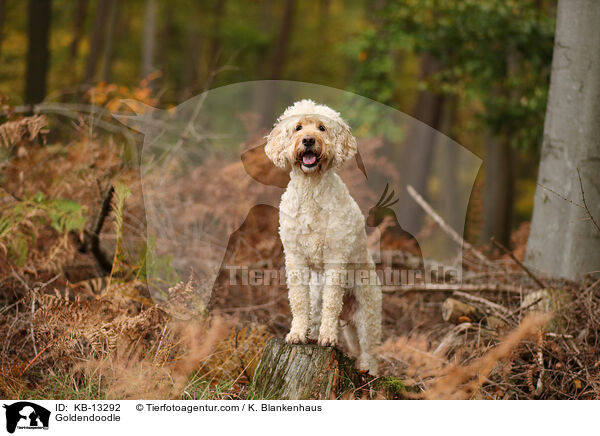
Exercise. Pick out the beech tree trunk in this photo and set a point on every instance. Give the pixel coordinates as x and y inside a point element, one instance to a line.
<point>304,372</point>
<point>564,241</point>
<point>38,25</point>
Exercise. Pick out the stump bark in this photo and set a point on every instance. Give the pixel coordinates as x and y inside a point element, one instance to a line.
<point>304,372</point>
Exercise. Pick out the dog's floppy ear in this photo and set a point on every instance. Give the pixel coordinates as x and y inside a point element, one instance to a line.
<point>275,147</point>
<point>345,147</point>
<point>258,167</point>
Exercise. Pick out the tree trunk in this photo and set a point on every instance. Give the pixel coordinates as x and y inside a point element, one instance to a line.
<point>283,41</point>
<point>109,50</point>
<point>190,69</point>
<point>2,16</point>
<point>148,39</point>
<point>167,35</point>
<point>304,372</point>
<point>449,168</point>
<point>498,191</point>
<point>78,26</point>
<point>97,42</point>
<point>216,41</point>
<point>419,144</point>
<point>564,241</point>
<point>278,62</point>
<point>39,15</point>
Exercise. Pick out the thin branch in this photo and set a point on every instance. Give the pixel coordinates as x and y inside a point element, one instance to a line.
<point>32,330</point>
<point>592,286</point>
<point>585,206</point>
<point>561,196</point>
<point>32,361</point>
<point>441,287</point>
<point>445,227</point>
<point>524,308</point>
<point>518,262</point>
<point>482,300</point>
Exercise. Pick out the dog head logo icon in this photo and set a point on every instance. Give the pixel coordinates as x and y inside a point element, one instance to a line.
<point>26,415</point>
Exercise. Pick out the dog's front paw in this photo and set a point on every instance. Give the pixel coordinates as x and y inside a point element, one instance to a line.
<point>327,340</point>
<point>295,337</point>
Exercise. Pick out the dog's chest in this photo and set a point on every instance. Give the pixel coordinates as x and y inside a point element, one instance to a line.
<point>306,232</point>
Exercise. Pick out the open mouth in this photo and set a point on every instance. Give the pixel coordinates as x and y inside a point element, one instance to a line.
<point>309,159</point>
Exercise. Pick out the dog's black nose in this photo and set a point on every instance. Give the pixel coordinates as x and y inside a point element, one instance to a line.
<point>308,141</point>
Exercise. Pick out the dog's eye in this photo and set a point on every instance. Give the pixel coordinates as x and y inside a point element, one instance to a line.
<point>322,128</point>
<point>298,127</point>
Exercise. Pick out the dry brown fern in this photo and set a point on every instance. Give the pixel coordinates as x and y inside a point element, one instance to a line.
<point>87,328</point>
<point>236,357</point>
<point>184,300</point>
<point>28,128</point>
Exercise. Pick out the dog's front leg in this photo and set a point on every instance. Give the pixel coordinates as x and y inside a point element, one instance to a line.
<point>298,293</point>
<point>333,295</point>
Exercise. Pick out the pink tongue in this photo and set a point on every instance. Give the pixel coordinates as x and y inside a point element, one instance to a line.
<point>309,159</point>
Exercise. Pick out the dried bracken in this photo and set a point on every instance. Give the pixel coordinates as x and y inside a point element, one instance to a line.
<point>70,330</point>
<point>12,132</point>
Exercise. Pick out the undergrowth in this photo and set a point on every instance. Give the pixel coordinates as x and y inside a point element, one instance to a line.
<point>63,338</point>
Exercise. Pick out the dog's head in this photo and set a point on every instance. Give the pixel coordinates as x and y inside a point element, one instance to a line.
<point>311,137</point>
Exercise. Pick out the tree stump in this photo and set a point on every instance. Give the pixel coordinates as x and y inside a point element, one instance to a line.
<point>304,372</point>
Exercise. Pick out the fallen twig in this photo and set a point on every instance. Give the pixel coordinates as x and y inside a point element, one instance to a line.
<point>540,361</point>
<point>445,227</point>
<point>499,311</point>
<point>31,362</point>
<point>518,262</point>
<point>482,300</point>
<point>441,287</point>
<point>32,330</point>
<point>521,309</point>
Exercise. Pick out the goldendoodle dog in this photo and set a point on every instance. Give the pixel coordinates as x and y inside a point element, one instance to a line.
<point>330,274</point>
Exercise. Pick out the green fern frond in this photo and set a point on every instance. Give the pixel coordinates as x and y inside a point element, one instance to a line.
<point>21,221</point>
<point>121,193</point>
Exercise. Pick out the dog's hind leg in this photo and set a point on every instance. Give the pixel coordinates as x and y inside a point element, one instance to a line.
<point>368,325</point>
<point>351,336</point>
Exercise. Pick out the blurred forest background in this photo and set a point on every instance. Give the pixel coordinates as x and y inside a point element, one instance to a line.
<point>477,71</point>
<point>76,315</point>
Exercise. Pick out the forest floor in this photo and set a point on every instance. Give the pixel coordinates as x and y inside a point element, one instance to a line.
<point>78,320</point>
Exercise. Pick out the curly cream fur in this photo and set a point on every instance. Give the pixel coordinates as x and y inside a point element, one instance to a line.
<point>323,234</point>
